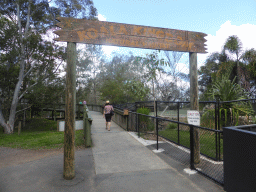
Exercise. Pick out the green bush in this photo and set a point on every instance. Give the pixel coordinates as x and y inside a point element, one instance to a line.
<point>143,110</point>
<point>145,122</point>
<point>172,125</point>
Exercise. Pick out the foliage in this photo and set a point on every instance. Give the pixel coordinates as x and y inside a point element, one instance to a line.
<point>208,118</point>
<point>145,122</point>
<point>47,93</point>
<point>232,58</point>
<point>25,52</point>
<point>143,110</point>
<point>207,72</point>
<point>77,9</point>
<point>136,91</point>
<point>234,45</point>
<point>169,91</point>
<point>113,90</point>
<point>120,80</point>
<point>90,58</point>
<point>249,58</point>
<point>172,126</point>
<point>224,89</point>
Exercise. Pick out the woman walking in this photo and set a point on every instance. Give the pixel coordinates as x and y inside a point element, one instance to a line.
<point>107,113</point>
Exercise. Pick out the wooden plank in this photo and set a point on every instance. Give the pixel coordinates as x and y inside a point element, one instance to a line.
<point>125,35</point>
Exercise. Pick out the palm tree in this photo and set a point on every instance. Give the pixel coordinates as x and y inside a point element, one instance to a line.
<point>234,46</point>
<point>224,89</point>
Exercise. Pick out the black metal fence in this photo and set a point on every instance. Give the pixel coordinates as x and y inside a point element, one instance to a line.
<point>214,114</point>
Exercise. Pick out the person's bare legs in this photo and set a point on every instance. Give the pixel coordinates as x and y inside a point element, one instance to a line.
<point>106,125</point>
<point>109,124</point>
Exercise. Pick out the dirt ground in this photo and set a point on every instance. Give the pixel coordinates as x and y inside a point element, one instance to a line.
<point>10,156</point>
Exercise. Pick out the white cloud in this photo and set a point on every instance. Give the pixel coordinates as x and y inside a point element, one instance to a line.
<point>102,17</point>
<point>245,32</point>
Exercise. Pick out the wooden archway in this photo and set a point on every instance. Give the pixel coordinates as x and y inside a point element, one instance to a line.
<point>108,33</point>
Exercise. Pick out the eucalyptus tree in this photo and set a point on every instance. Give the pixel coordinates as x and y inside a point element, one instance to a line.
<point>90,58</point>
<point>27,50</point>
<point>173,59</point>
<point>168,91</point>
<point>153,69</point>
<point>121,80</point>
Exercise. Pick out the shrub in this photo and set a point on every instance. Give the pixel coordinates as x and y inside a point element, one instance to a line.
<point>172,126</point>
<point>145,122</point>
<point>143,110</point>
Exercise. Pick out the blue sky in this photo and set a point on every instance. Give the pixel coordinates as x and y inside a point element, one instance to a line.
<point>219,19</point>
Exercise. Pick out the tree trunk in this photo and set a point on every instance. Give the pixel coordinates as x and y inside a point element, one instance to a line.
<point>9,127</point>
<point>237,70</point>
<point>15,99</point>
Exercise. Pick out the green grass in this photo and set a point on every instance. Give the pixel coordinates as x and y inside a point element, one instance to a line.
<point>38,134</point>
<point>207,141</point>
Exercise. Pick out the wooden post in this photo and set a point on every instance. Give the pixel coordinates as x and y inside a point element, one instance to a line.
<point>69,134</point>
<point>19,128</point>
<point>87,128</point>
<point>24,118</point>
<point>54,113</point>
<point>194,103</point>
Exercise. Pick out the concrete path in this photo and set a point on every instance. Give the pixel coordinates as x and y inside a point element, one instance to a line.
<point>117,162</point>
<point>116,151</point>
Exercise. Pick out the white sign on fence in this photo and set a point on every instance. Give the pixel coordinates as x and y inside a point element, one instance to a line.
<point>193,117</point>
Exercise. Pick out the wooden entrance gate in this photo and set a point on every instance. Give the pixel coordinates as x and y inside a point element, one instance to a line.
<point>107,33</point>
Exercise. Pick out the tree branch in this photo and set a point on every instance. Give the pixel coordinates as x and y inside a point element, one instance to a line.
<point>27,90</point>
<point>28,18</point>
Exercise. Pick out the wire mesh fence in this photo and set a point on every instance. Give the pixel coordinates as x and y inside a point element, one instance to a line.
<point>211,154</point>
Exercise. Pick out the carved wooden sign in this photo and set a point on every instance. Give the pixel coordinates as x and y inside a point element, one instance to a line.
<point>125,35</point>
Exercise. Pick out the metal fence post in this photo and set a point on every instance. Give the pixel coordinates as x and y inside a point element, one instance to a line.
<point>156,128</point>
<point>219,145</point>
<point>218,103</point>
<point>157,132</point>
<point>216,134</point>
<point>192,152</point>
<point>178,106</point>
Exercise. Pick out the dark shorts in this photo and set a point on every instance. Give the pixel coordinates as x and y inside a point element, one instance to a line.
<point>108,117</point>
